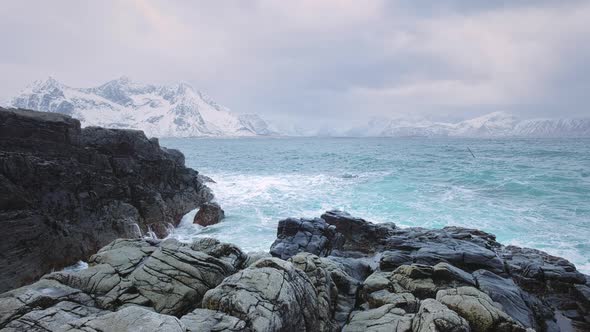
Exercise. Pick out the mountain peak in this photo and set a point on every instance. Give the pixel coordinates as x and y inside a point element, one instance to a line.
<point>159,110</point>
<point>49,83</point>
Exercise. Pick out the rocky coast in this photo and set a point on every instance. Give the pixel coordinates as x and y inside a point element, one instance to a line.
<point>332,273</point>
<point>66,192</point>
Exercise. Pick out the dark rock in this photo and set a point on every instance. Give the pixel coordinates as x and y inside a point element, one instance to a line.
<point>304,235</point>
<point>505,292</point>
<point>359,234</point>
<point>65,192</point>
<point>209,213</point>
<point>391,260</point>
<point>533,268</point>
<point>453,275</point>
<point>205,178</point>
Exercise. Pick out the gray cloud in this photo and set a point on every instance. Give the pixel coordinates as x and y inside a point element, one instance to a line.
<point>320,62</point>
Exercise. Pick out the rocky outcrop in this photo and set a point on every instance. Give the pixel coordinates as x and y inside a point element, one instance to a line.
<point>65,192</point>
<point>208,285</point>
<point>209,213</point>
<point>304,235</point>
<point>517,288</point>
<point>270,295</point>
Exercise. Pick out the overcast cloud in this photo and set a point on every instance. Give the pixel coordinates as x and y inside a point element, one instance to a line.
<point>333,61</point>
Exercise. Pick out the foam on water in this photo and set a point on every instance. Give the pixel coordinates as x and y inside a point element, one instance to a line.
<point>528,192</point>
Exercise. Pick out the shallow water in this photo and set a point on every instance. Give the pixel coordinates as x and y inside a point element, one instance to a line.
<point>529,192</point>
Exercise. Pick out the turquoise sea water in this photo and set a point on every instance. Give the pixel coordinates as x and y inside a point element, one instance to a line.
<point>529,192</point>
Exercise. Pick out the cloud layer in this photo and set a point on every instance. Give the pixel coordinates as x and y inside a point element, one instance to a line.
<point>322,62</point>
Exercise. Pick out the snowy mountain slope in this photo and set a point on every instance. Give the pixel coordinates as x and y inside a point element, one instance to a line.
<point>497,124</point>
<point>161,111</point>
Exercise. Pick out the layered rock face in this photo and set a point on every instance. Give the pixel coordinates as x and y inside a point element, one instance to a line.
<point>65,192</point>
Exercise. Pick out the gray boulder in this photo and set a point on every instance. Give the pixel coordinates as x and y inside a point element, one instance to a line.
<point>53,318</point>
<point>270,295</point>
<point>130,319</point>
<point>386,318</point>
<point>175,277</point>
<point>204,320</point>
<point>39,296</point>
<point>482,313</point>
<point>406,301</point>
<point>434,316</point>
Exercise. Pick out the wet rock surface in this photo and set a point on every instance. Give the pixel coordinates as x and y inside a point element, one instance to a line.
<point>65,191</point>
<point>320,279</point>
<point>209,213</point>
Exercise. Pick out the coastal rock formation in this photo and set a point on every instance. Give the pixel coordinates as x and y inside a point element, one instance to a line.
<point>208,285</point>
<point>65,192</point>
<point>270,295</point>
<point>209,213</point>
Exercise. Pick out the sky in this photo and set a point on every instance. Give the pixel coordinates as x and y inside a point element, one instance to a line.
<point>318,62</point>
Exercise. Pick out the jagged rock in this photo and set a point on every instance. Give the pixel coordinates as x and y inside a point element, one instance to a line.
<point>304,235</point>
<point>435,316</point>
<point>65,191</point>
<point>209,213</point>
<point>454,276</point>
<point>482,313</point>
<point>204,178</point>
<point>386,318</point>
<point>359,234</point>
<point>406,301</point>
<point>129,319</point>
<point>335,289</point>
<point>204,320</point>
<point>270,295</point>
<point>505,292</point>
<point>358,268</point>
<point>533,268</point>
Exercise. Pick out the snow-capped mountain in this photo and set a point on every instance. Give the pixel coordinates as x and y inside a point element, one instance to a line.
<point>161,111</point>
<point>497,124</point>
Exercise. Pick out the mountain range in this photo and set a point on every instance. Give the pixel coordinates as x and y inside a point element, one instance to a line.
<point>162,111</point>
<point>180,111</point>
<point>496,124</point>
